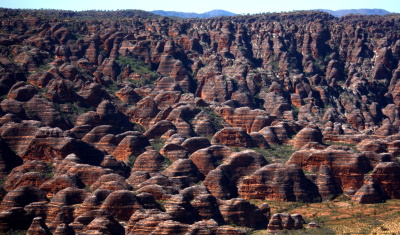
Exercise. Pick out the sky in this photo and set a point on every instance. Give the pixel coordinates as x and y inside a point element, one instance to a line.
<point>201,6</point>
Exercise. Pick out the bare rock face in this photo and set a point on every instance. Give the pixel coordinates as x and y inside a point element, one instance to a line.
<point>61,182</point>
<point>60,90</point>
<point>109,114</point>
<point>108,143</point>
<point>195,143</point>
<point>203,227</point>
<point>131,145</point>
<point>222,182</point>
<point>184,168</point>
<point>385,175</point>
<point>137,177</point>
<point>89,118</point>
<point>230,230</point>
<point>127,95</point>
<point>95,135</point>
<point>92,94</point>
<point>240,212</point>
<point>150,161</point>
<point>370,192</point>
<point>180,209</point>
<point>208,159</point>
<point>174,152</point>
<point>171,227</point>
<point>326,183</point>
<point>233,137</point>
<point>203,124</point>
<point>285,221</point>
<point>88,174</point>
<point>14,219</point>
<point>244,117</point>
<point>244,163</point>
<point>8,159</point>
<point>279,182</point>
<point>206,206</point>
<point>158,192</point>
<point>19,135</point>
<point>166,99</point>
<point>105,225</point>
<point>121,204</point>
<point>370,145</point>
<point>21,92</point>
<point>60,208</point>
<point>340,161</point>
<point>38,227</point>
<point>159,129</point>
<point>41,109</point>
<point>49,144</point>
<point>82,100</point>
<point>17,173</point>
<point>146,221</point>
<point>64,229</point>
<point>31,179</point>
<point>14,107</point>
<point>143,112</point>
<point>307,135</point>
<point>22,196</point>
<point>111,182</point>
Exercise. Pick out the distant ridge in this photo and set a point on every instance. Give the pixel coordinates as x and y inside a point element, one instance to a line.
<point>213,13</point>
<point>340,13</point>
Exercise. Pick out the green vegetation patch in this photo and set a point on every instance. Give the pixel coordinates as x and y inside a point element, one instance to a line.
<point>276,152</point>
<point>215,119</point>
<point>147,75</point>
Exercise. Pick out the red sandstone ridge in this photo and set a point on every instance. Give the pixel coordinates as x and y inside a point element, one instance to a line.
<point>127,122</point>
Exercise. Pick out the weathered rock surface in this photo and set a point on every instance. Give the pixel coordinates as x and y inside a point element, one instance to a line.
<point>279,182</point>
<point>340,162</point>
<point>105,118</point>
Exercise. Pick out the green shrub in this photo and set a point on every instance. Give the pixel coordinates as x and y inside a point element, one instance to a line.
<point>276,152</point>
<point>215,119</point>
<point>131,161</point>
<point>140,67</point>
<point>158,144</point>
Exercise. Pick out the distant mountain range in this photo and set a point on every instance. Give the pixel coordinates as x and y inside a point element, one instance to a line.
<point>340,13</point>
<point>218,13</point>
<point>213,13</point>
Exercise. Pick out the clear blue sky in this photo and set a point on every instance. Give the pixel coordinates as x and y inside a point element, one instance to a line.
<point>200,6</point>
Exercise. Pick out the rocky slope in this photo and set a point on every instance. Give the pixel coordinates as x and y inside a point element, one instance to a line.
<point>137,125</point>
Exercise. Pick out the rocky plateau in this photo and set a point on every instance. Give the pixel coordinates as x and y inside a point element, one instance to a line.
<point>132,123</point>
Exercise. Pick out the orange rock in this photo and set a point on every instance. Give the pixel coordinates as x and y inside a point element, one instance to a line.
<point>131,145</point>
<point>209,158</point>
<point>307,135</point>
<point>150,161</point>
<point>121,204</point>
<point>233,137</point>
<point>273,182</point>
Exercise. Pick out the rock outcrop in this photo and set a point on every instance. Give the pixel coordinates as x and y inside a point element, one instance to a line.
<point>115,122</point>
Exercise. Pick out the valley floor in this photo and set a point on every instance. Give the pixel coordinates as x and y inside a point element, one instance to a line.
<point>342,217</point>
